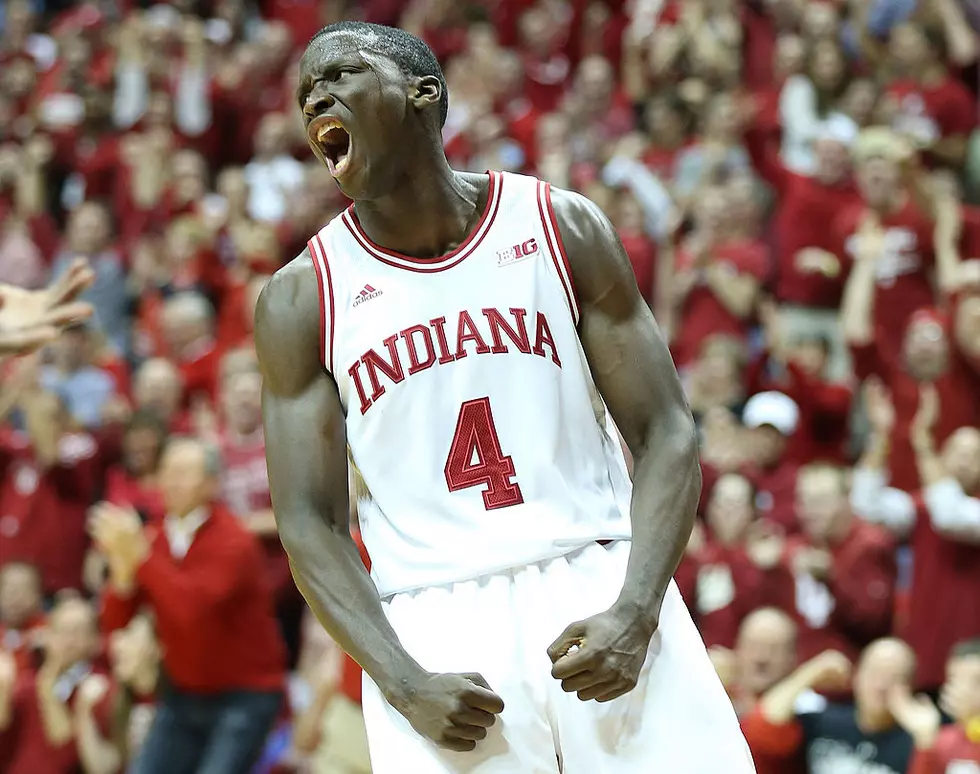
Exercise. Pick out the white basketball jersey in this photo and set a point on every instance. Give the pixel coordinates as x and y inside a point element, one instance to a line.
<point>471,412</point>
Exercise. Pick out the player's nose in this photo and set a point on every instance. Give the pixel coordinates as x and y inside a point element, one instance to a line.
<point>319,101</point>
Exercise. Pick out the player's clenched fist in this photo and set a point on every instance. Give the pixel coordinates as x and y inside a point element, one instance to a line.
<point>600,658</point>
<point>452,710</point>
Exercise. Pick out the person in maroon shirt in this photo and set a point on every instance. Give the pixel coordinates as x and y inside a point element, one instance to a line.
<point>845,569</point>
<point>715,281</point>
<point>733,567</point>
<point>21,615</point>
<point>798,366</point>
<point>36,710</point>
<point>942,523</point>
<point>889,231</point>
<point>764,655</point>
<point>928,353</point>
<point>808,274</point>
<point>221,647</point>
<point>771,419</point>
<point>955,747</point>
<point>49,478</point>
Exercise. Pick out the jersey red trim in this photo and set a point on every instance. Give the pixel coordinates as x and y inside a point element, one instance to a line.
<point>447,261</point>
<point>555,247</point>
<point>561,244</point>
<point>325,289</point>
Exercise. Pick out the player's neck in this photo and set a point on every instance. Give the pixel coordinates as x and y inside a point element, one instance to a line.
<point>432,212</point>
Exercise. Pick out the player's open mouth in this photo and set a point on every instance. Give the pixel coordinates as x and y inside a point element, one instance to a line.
<point>335,143</point>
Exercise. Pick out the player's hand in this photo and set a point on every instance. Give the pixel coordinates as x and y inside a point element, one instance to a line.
<point>600,658</point>
<point>453,710</point>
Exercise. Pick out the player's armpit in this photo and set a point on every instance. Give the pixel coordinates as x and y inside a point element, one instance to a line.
<point>306,453</point>
<point>635,374</point>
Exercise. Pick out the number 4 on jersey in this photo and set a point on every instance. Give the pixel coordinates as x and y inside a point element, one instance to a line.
<point>475,457</point>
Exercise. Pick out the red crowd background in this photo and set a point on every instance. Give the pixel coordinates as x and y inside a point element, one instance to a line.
<point>791,180</point>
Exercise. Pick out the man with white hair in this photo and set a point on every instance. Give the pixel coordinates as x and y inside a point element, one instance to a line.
<point>188,329</point>
<point>221,647</point>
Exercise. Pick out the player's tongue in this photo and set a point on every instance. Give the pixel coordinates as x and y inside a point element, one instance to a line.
<point>335,142</point>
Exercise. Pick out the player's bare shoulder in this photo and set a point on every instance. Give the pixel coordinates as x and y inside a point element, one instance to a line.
<point>287,325</point>
<point>599,264</point>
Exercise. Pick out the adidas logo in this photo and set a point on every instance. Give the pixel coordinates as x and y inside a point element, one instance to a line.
<point>366,294</point>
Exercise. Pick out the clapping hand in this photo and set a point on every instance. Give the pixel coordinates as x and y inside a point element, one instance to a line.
<point>118,533</point>
<point>29,319</point>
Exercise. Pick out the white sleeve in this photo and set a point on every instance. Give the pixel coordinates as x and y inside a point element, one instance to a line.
<point>192,101</point>
<point>798,109</point>
<point>952,511</point>
<point>132,95</point>
<point>874,502</point>
<point>809,703</point>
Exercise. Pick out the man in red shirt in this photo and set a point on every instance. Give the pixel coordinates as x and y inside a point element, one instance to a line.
<point>48,477</point>
<point>188,325</point>
<point>845,569</point>
<point>921,351</point>
<point>809,277</point>
<point>942,523</point>
<point>889,232</point>
<point>222,650</point>
<point>735,567</point>
<point>715,281</point>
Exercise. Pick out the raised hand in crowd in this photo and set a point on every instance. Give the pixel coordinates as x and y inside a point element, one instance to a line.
<point>29,319</point>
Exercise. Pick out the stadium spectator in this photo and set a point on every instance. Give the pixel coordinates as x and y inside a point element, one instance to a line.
<point>771,419</point>
<point>221,649</point>
<point>161,142</point>
<point>942,522</point>
<point>844,569</point>
<point>21,614</point>
<point>734,566</point>
<point>50,476</point>
<point>942,749</point>
<point>36,728</point>
<point>791,717</point>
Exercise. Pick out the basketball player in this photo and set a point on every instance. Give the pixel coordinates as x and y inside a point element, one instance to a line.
<point>455,332</point>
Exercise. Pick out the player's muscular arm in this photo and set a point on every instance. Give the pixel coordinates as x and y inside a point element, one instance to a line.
<point>306,453</point>
<point>634,372</point>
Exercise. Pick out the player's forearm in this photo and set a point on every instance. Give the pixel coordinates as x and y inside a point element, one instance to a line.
<point>329,572</point>
<point>666,488</point>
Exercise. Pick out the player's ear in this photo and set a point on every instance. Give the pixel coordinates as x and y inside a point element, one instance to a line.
<point>427,92</point>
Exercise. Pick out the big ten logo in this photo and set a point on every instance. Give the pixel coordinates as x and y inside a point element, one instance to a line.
<point>899,255</point>
<point>517,253</point>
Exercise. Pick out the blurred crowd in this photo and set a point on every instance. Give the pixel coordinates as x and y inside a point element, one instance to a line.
<point>791,180</point>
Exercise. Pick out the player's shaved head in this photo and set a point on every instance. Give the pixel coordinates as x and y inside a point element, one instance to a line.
<point>408,52</point>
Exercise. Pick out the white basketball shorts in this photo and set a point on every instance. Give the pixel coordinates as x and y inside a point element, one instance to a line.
<point>678,719</point>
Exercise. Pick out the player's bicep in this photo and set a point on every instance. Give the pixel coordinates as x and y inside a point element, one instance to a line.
<point>303,417</point>
<point>626,351</point>
<point>306,453</point>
